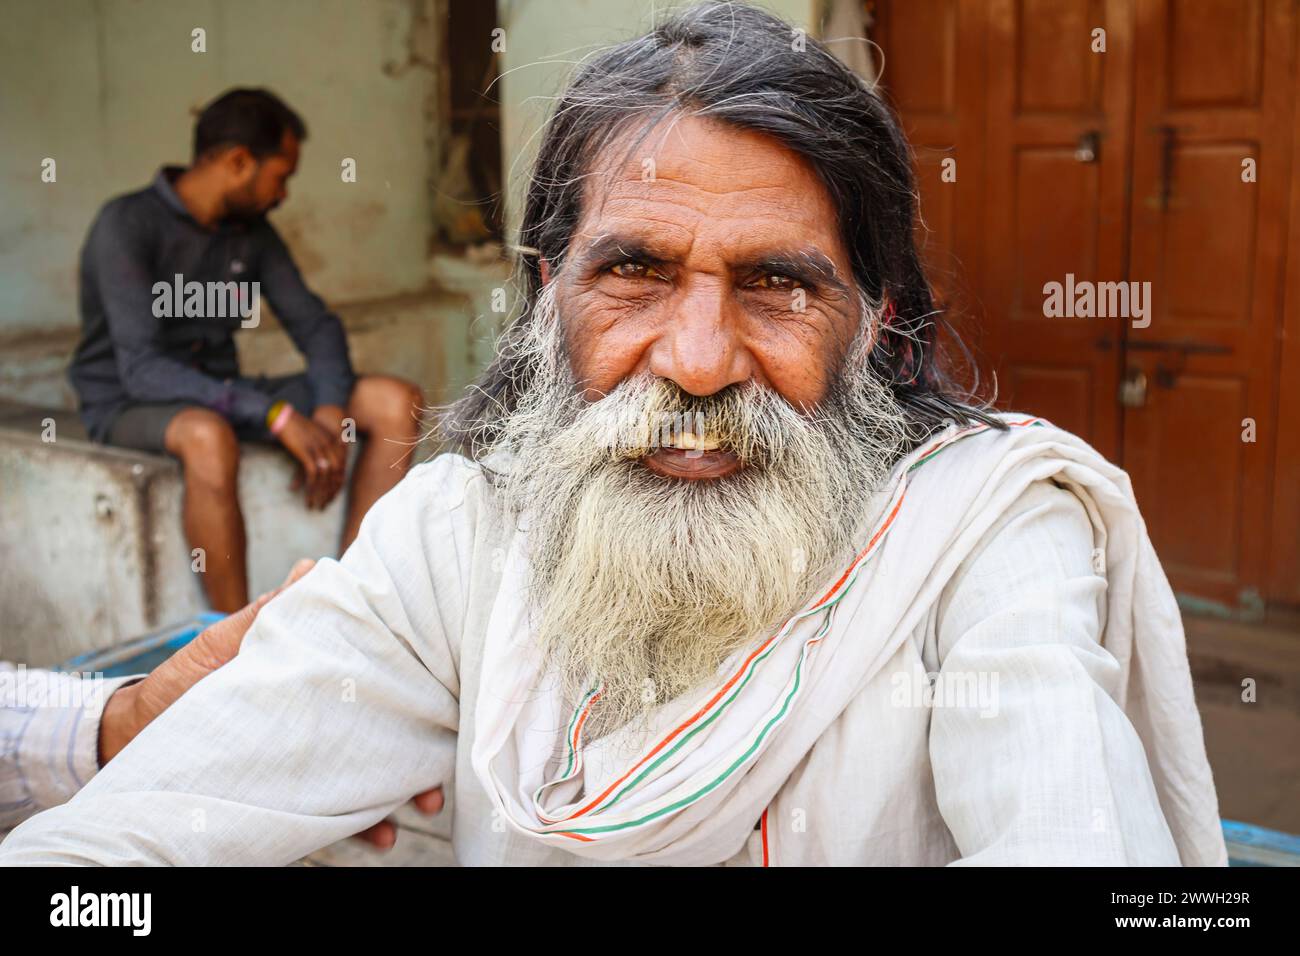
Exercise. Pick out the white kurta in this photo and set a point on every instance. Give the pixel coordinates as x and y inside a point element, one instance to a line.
<point>358,688</point>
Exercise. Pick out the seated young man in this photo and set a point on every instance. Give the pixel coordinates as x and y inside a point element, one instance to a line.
<point>157,370</point>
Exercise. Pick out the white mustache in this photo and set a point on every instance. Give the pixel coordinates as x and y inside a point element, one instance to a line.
<point>646,413</point>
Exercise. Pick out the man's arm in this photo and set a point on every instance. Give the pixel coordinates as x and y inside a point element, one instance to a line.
<point>118,257</point>
<point>341,704</point>
<point>49,723</point>
<point>1044,768</point>
<point>315,330</point>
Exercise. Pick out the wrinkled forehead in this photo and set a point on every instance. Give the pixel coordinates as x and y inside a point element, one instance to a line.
<point>694,187</point>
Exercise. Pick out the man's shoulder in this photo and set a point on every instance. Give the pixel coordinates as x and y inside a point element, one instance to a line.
<point>1022,467</point>
<point>129,212</point>
<point>448,481</point>
<point>958,446</point>
<point>438,506</point>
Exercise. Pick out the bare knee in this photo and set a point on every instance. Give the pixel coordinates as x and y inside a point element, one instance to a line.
<point>207,446</point>
<point>387,406</point>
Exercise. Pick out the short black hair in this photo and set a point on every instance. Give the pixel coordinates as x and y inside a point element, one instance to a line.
<point>255,118</point>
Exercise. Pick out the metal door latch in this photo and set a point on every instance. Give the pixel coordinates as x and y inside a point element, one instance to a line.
<point>1133,390</point>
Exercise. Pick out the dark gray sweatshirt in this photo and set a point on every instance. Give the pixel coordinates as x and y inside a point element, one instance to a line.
<point>129,355</point>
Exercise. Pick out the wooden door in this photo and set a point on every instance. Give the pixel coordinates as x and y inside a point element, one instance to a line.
<point>1184,92</point>
<point>1284,525</point>
<point>1058,129</point>
<point>1039,123</point>
<point>933,56</point>
<point>1213,102</point>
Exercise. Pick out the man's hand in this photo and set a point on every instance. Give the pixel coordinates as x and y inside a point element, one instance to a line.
<point>321,454</point>
<point>383,834</point>
<point>330,418</point>
<point>133,707</point>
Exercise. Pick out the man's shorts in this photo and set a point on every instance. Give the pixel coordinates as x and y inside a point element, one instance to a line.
<point>144,425</point>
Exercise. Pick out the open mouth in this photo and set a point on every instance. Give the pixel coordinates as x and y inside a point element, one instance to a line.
<point>693,457</point>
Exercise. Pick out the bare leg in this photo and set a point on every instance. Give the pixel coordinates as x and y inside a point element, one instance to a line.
<point>209,453</point>
<point>386,411</point>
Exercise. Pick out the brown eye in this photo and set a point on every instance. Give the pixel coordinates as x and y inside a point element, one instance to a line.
<point>631,269</point>
<point>781,283</point>
<point>635,270</point>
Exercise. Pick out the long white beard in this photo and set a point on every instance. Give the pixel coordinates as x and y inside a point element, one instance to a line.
<point>646,584</point>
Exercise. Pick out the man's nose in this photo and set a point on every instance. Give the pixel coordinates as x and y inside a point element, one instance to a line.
<point>702,349</point>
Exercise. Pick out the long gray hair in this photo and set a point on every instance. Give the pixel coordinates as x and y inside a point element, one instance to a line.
<point>741,65</point>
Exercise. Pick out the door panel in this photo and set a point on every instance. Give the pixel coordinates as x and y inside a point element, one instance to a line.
<point>1057,394</point>
<point>1206,246</point>
<point>1055,72</point>
<point>1203,413</point>
<point>1214,52</point>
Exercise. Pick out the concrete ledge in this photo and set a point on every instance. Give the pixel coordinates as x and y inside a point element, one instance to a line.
<point>404,335</point>
<point>92,543</point>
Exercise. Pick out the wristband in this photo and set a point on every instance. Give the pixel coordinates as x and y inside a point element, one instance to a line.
<point>279,416</point>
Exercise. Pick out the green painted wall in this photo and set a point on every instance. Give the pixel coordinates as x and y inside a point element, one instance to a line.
<point>545,39</point>
<point>107,90</point>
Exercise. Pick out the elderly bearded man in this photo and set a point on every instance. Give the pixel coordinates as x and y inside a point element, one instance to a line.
<point>713,650</point>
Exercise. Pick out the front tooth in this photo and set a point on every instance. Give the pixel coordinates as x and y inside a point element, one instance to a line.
<point>689,441</point>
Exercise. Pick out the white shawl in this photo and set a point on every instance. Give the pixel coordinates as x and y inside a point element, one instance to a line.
<point>717,760</point>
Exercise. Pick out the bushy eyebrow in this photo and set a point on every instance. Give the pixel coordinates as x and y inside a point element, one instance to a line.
<point>809,265</point>
<point>609,249</point>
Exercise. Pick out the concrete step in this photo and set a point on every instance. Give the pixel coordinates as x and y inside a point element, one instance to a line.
<point>91,542</point>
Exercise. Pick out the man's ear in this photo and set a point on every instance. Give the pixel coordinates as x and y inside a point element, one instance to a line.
<point>546,271</point>
<point>239,162</point>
